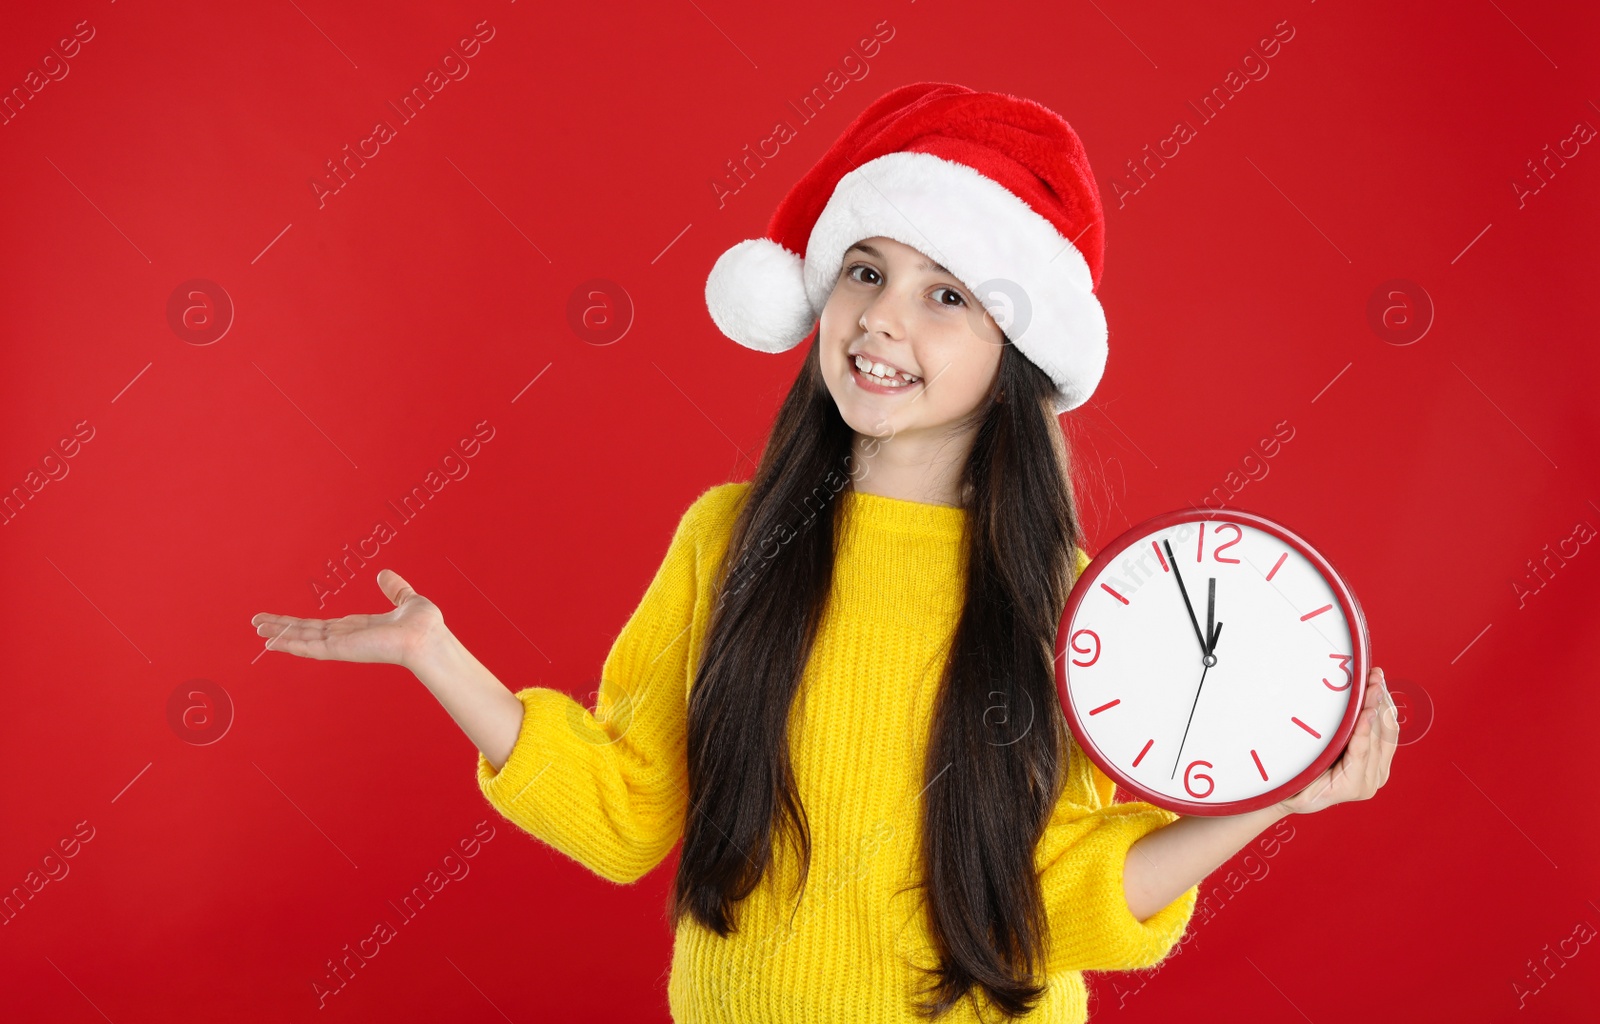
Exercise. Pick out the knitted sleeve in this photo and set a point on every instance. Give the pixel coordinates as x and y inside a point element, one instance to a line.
<point>607,787</point>
<point>1080,861</point>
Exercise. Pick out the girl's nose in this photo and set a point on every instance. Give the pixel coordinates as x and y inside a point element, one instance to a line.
<point>885,316</point>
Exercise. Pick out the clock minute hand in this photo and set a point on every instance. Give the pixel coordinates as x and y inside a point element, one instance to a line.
<point>1190,722</point>
<point>1209,660</point>
<point>1204,647</point>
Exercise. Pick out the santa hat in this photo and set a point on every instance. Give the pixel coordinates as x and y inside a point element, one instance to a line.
<point>994,187</point>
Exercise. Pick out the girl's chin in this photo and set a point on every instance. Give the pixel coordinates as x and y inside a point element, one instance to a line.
<point>869,420</point>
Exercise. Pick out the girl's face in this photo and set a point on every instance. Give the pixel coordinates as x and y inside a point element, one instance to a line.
<point>918,319</point>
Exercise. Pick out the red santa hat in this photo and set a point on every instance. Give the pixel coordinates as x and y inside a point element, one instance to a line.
<point>994,187</point>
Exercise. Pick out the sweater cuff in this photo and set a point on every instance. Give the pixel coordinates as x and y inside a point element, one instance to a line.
<point>1097,930</point>
<point>528,759</point>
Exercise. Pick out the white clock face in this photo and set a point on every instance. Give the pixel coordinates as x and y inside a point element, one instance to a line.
<point>1140,686</point>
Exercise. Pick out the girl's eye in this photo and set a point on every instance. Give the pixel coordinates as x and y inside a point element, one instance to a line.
<point>850,271</point>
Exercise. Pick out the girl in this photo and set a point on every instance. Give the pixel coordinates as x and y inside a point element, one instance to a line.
<point>838,691</point>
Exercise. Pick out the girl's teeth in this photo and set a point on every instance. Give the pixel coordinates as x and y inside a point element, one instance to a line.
<point>886,374</point>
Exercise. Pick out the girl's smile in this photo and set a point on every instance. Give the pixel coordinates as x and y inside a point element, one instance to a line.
<point>869,381</point>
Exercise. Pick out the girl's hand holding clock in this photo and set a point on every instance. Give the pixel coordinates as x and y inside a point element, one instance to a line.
<point>1180,855</point>
<point>1363,768</point>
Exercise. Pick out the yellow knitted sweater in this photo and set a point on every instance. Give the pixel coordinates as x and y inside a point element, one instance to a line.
<point>608,788</point>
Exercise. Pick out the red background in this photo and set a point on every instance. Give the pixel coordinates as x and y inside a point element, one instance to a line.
<point>430,294</point>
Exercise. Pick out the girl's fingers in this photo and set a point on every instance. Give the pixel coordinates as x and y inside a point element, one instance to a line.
<point>281,625</point>
<point>261,617</point>
<point>1374,753</point>
<point>355,638</point>
<point>1388,715</point>
<point>314,627</point>
<point>1375,689</point>
<point>394,586</point>
<point>314,649</point>
<point>1385,734</point>
<point>1360,749</point>
<point>1363,766</point>
<point>1389,739</point>
<point>290,640</point>
<point>308,638</point>
<point>293,631</point>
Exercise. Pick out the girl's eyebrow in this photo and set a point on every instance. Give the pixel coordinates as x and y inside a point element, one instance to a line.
<point>924,265</point>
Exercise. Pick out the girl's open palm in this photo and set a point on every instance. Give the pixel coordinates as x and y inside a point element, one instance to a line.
<point>391,637</point>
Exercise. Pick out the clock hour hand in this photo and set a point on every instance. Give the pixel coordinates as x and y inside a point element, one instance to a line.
<point>1212,630</point>
<point>1204,647</point>
<point>1211,610</point>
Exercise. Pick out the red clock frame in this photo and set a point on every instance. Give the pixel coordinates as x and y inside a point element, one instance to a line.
<point>1347,603</point>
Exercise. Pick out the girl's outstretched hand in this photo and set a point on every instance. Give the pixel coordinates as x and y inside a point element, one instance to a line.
<point>391,638</point>
<point>1363,768</point>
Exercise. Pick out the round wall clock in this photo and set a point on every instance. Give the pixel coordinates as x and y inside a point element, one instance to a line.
<point>1194,717</point>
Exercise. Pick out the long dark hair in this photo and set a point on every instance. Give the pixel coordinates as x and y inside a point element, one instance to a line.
<point>998,741</point>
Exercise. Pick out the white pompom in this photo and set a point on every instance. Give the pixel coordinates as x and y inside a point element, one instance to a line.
<point>756,295</point>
